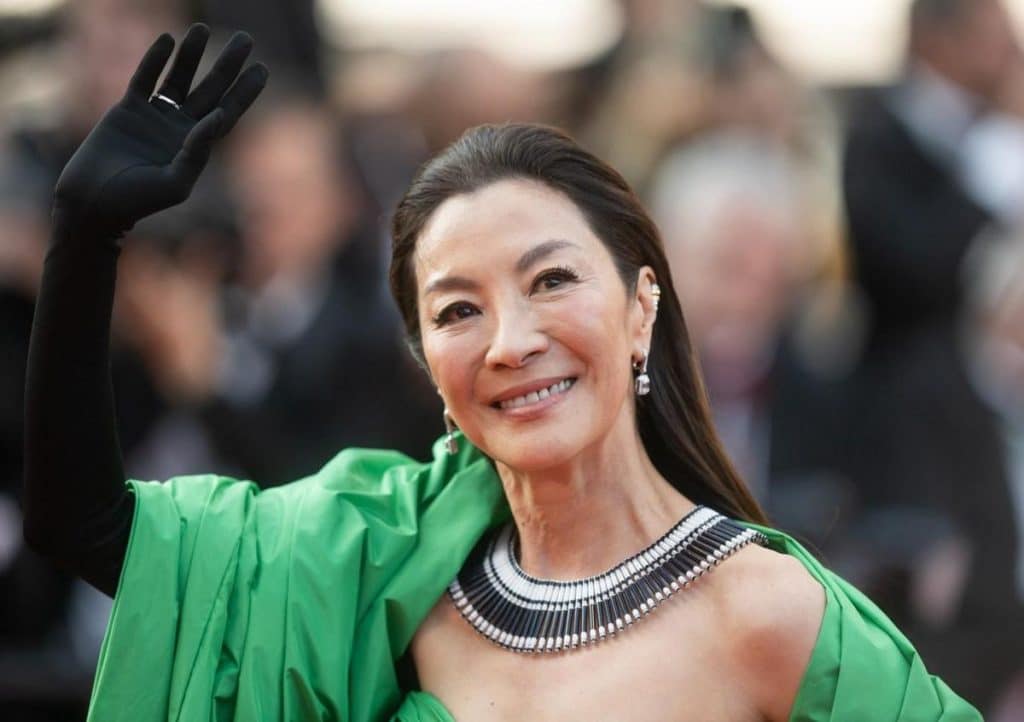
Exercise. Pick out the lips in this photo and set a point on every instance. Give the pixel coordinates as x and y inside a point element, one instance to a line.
<point>533,396</point>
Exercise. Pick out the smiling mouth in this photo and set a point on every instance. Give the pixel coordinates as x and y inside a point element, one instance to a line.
<point>534,396</point>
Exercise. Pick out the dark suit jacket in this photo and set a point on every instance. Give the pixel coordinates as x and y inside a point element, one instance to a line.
<point>939,447</point>
<point>346,380</point>
<point>910,223</point>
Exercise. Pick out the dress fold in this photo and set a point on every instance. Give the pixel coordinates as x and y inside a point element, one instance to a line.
<point>294,603</point>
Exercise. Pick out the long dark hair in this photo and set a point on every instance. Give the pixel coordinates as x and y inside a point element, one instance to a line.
<point>674,419</point>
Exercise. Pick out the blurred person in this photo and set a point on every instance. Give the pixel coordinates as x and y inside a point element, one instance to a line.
<point>929,173</point>
<point>378,91</point>
<point>750,89</point>
<point>954,456</point>
<point>303,330</point>
<point>47,659</point>
<point>651,92</point>
<point>924,182</point>
<point>912,208</point>
<point>706,69</point>
<point>100,40</point>
<point>464,87</point>
<point>287,33</point>
<point>994,340</point>
<point>534,289</point>
<point>99,43</point>
<point>167,434</point>
<point>400,107</point>
<point>929,517</point>
<point>734,213</point>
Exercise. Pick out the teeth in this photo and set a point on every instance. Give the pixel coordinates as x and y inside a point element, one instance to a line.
<point>535,396</point>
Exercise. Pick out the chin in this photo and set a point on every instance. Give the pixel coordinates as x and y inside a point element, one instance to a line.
<point>534,454</point>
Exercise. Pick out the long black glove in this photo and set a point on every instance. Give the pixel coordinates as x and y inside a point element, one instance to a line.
<point>143,156</point>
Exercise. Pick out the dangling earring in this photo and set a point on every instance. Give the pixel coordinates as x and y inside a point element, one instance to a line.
<point>451,444</point>
<point>642,382</point>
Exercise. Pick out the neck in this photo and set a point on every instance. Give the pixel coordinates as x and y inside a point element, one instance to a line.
<point>584,516</point>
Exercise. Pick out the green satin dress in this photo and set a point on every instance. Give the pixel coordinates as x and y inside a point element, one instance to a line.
<point>293,603</point>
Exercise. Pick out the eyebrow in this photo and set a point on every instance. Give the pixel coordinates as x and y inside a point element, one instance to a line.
<point>450,283</point>
<point>532,256</point>
<point>540,251</point>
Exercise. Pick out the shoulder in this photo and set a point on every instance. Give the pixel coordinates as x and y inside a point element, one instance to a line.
<point>771,610</point>
<point>870,115</point>
<point>392,492</point>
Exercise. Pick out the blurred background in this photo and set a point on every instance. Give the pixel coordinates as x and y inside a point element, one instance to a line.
<point>840,186</point>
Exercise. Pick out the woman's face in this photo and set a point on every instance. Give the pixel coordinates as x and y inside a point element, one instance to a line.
<point>527,327</point>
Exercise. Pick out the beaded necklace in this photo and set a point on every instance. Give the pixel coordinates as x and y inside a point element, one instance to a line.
<point>526,614</point>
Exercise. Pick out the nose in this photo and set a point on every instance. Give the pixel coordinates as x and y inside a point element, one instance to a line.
<point>517,337</point>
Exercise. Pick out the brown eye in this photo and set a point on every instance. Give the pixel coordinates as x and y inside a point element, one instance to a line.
<point>454,312</point>
<point>554,278</point>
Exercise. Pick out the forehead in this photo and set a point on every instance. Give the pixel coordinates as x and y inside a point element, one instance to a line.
<point>495,225</point>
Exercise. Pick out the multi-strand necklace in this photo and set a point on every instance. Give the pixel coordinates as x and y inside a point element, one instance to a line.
<point>526,614</point>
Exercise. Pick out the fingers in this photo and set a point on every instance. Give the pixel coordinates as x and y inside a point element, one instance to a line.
<point>242,94</point>
<point>191,159</point>
<point>150,67</point>
<point>210,90</point>
<point>217,102</point>
<point>183,69</point>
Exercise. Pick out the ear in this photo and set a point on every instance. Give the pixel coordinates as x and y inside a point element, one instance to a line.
<point>439,394</point>
<point>644,309</point>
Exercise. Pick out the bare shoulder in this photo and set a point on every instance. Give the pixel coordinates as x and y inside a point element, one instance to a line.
<point>771,609</point>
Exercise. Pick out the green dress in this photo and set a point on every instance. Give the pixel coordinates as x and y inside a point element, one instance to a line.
<point>293,603</point>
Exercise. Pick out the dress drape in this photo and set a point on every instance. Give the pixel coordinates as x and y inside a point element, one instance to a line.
<point>293,603</point>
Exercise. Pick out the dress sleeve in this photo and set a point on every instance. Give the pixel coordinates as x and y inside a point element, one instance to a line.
<point>176,596</point>
<point>77,510</point>
<point>863,667</point>
<point>287,603</point>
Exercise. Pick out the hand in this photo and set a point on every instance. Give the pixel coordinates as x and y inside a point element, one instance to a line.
<point>146,153</point>
<point>169,310</point>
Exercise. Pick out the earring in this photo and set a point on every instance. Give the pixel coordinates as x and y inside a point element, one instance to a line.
<point>656,294</point>
<point>451,444</point>
<point>642,382</point>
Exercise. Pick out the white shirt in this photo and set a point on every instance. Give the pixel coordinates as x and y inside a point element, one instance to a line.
<point>984,149</point>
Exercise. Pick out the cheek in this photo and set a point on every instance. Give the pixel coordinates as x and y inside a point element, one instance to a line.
<point>594,330</point>
<point>451,359</point>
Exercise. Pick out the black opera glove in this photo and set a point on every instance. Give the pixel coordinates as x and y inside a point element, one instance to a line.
<point>146,153</point>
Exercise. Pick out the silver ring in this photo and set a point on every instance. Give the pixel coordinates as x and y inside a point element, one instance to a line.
<point>161,96</point>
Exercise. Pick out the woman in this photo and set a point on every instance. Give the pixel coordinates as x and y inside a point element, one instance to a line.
<point>536,294</point>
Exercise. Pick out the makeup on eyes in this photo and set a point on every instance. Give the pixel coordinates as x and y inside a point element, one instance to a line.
<point>563,273</point>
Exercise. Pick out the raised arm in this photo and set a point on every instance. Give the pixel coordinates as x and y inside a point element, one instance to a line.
<point>143,156</point>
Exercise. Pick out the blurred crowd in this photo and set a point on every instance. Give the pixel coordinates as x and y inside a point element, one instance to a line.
<point>850,260</point>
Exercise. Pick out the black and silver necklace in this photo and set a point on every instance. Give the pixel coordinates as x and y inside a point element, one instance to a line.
<point>526,614</point>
